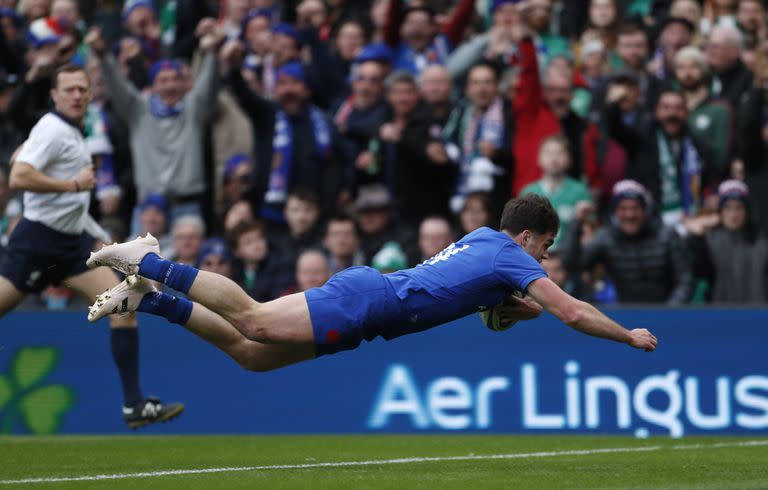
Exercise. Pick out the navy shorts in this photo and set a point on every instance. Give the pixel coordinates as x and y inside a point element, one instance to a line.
<point>356,304</point>
<point>38,256</point>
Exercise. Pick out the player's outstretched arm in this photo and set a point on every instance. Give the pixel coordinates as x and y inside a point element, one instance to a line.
<point>585,317</point>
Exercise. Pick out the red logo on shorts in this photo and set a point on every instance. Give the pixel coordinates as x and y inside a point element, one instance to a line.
<point>332,336</point>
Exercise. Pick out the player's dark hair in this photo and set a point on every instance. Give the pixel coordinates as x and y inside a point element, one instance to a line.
<point>68,68</point>
<point>530,212</point>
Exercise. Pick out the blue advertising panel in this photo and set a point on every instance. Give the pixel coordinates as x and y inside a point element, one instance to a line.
<point>709,376</point>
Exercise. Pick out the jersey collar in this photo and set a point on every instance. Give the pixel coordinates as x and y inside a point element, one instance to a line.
<point>70,121</point>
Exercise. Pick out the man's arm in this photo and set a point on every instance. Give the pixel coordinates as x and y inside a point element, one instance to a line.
<point>586,318</point>
<point>25,177</point>
<point>124,96</point>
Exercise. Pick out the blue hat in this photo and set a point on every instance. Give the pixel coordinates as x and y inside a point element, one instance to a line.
<point>131,5</point>
<point>498,3</point>
<point>292,69</point>
<point>252,14</point>
<point>233,162</point>
<point>214,246</point>
<point>156,201</point>
<point>164,64</point>
<point>287,30</point>
<point>375,52</point>
<point>45,30</point>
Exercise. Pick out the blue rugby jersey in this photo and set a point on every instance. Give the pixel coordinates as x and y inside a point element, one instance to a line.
<point>479,271</point>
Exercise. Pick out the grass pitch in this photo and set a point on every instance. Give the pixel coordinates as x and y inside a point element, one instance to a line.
<point>381,462</point>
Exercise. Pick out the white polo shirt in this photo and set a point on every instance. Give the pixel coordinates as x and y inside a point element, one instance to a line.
<point>57,148</point>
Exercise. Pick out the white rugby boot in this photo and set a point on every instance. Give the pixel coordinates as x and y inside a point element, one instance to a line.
<point>121,299</point>
<point>125,257</point>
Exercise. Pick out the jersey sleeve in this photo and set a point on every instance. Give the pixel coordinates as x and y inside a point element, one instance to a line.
<point>39,149</point>
<point>517,269</point>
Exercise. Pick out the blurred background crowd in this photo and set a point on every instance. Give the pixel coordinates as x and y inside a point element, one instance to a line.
<point>278,142</point>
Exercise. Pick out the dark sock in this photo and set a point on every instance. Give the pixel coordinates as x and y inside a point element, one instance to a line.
<point>173,309</point>
<point>125,352</point>
<point>174,275</point>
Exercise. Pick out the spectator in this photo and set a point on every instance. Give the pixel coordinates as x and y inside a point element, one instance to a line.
<point>708,119</point>
<point>475,213</point>
<point>632,48</point>
<point>141,25</point>
<point>311,271</point>
<point>167,128</point>
<point>558,93</point>
<point>666,158</point>
<point>297,146</point>
<point>48,48</point>
<point>436,87</point>
<point>420,181</point>
<point>342,243</point>
<point>359,116</point>
<point>416,37</point>
<point>676,33</point>
<point>189,13</point>
<point>153,218</point>
<point>215,257</point>
<point>478,131</point>
<point>302,215</point>
<point>730,77</point>
<point>34,9</point>
<point>556,271</point>
<point>435,234</point>
<point>237,179</point>
<point>733,256</point>
<point>644,259</point>
<point>262,271</point>
<point>376,223</point>
<point>568,196</point>
<point>750,19</point>
<point>187,233</point>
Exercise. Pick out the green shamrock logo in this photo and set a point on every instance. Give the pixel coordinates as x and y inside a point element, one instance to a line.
<point>23,396</point>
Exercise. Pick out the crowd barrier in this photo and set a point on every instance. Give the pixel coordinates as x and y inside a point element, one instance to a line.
<point>708,376</point>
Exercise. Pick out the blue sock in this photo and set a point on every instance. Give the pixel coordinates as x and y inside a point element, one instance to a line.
<point>174,275</point>
<point>173,309</point>
<point>125,352</point>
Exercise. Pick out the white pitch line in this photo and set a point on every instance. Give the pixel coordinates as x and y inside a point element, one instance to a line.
<point>342,464</point>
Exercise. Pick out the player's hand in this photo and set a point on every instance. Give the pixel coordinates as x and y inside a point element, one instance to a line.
<point>641,338</point>
<point>86,178</point>
<point>516,309</point>
<point>95,41</point>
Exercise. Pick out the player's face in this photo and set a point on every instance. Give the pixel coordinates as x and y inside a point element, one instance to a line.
<point>72,94</point>
<point>537,244</point>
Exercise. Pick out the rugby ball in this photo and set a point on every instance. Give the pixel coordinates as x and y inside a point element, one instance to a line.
<point>492,318</point>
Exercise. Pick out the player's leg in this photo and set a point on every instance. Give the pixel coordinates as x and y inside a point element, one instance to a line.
<point>285,320</point>
<point>10,296</point>
<point>138,294</point>
<point>124,344</point>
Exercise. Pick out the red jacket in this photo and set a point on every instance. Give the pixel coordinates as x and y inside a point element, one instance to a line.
<point>534,120</point>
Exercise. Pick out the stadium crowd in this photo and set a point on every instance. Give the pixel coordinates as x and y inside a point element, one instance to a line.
<point>280,142</point>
